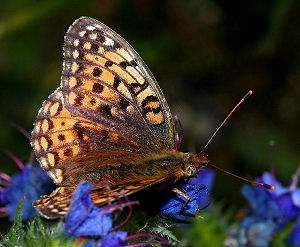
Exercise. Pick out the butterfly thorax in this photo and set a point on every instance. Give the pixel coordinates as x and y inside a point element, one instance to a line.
<point>193,164</point>
<point>177,164</point>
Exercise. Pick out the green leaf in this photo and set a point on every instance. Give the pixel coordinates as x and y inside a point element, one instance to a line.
<point>280,239</point>
<point>207,229</point>
<point>161,230</point>
<point>16,230</point>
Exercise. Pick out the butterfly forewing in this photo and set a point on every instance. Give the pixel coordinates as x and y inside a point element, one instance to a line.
<point>105,81</point>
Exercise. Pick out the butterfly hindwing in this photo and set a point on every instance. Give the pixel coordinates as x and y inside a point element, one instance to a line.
<point>56,205</point>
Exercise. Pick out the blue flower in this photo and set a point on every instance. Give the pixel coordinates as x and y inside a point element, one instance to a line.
<point>206,177</point>
<point>173,205</point>
<point>114,239</point>
<point>280,205</point>
<point>197,189</point>
<point>259,233</point>
<point>84,219</point>
<point>271,211</point>
<point>30,184</point>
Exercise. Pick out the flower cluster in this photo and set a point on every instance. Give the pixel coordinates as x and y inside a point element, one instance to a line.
<point>84,219</point>
<point>30,184</point>
<point>197,189</point>
<point>271,211</point>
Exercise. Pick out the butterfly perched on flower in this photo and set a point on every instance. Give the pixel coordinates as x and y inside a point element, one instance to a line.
<point>108,121</point>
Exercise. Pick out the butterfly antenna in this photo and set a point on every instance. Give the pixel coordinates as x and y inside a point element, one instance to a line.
<point>22,130</point>
<point>225,120</point>
<point>267,186</point>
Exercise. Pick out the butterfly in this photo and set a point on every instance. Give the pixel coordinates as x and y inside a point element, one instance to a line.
<point>108,121</point>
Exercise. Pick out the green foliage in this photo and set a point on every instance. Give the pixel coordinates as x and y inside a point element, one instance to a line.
<point>161,225</point>
<point>41,232</point>
<point>16,232</point>
<point>36,233</point>
<point>208,229</point>
<point>280,239</point>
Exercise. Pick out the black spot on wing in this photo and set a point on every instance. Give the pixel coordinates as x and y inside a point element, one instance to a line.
<point>105,110</point>
<point>149,109</point>
<point>148,99</point>
<point>124,64</point>
<point>97,88</point>
<point>117,81</point>
<point>61,137</point>
<point>97,72</point>
<point>94,47</point>
<point>108,63</point>
<point>68,152</point>
<point>133,63</point>
<point>123,103</point>
<point>116,45</point>
<point>78,100</point>
<point>100,38</point>
<point>81,67</point>
<point>93,101</point>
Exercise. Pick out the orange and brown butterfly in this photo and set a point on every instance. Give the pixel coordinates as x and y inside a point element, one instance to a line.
<point>108,121</point>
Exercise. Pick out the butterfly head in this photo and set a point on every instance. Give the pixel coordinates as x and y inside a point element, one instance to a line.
<point>194,163</point>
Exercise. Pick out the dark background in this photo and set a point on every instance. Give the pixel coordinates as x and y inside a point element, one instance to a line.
<point>205,55</point>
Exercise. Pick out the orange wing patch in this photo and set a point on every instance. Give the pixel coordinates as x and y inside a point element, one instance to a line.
<point>58,136</point>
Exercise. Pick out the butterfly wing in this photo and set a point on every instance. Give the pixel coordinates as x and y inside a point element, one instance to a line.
<point>67,145</point>
<point>108,111</point>
<point>72,149</point>
<point>57,204</point>
<point>105,81</point>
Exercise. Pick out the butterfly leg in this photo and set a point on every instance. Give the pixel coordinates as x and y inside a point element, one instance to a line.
<point>179,192</point>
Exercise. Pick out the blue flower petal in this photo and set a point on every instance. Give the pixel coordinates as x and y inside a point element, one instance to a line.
<point>30,184</point>
<point>287,209</point>
<point>263,204</point>
<point>206,177</point>
<point>174,204</point>
<point>268,178</point>
<point>271,211</point>
<point>84,219</point>
<point>296,197</point>
<point>261,233</point>
<point>294,237</point>
<point>114,239</point>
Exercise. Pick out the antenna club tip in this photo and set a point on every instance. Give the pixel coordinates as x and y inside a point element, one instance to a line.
<point>250,92</point>
<point>270,187</point>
